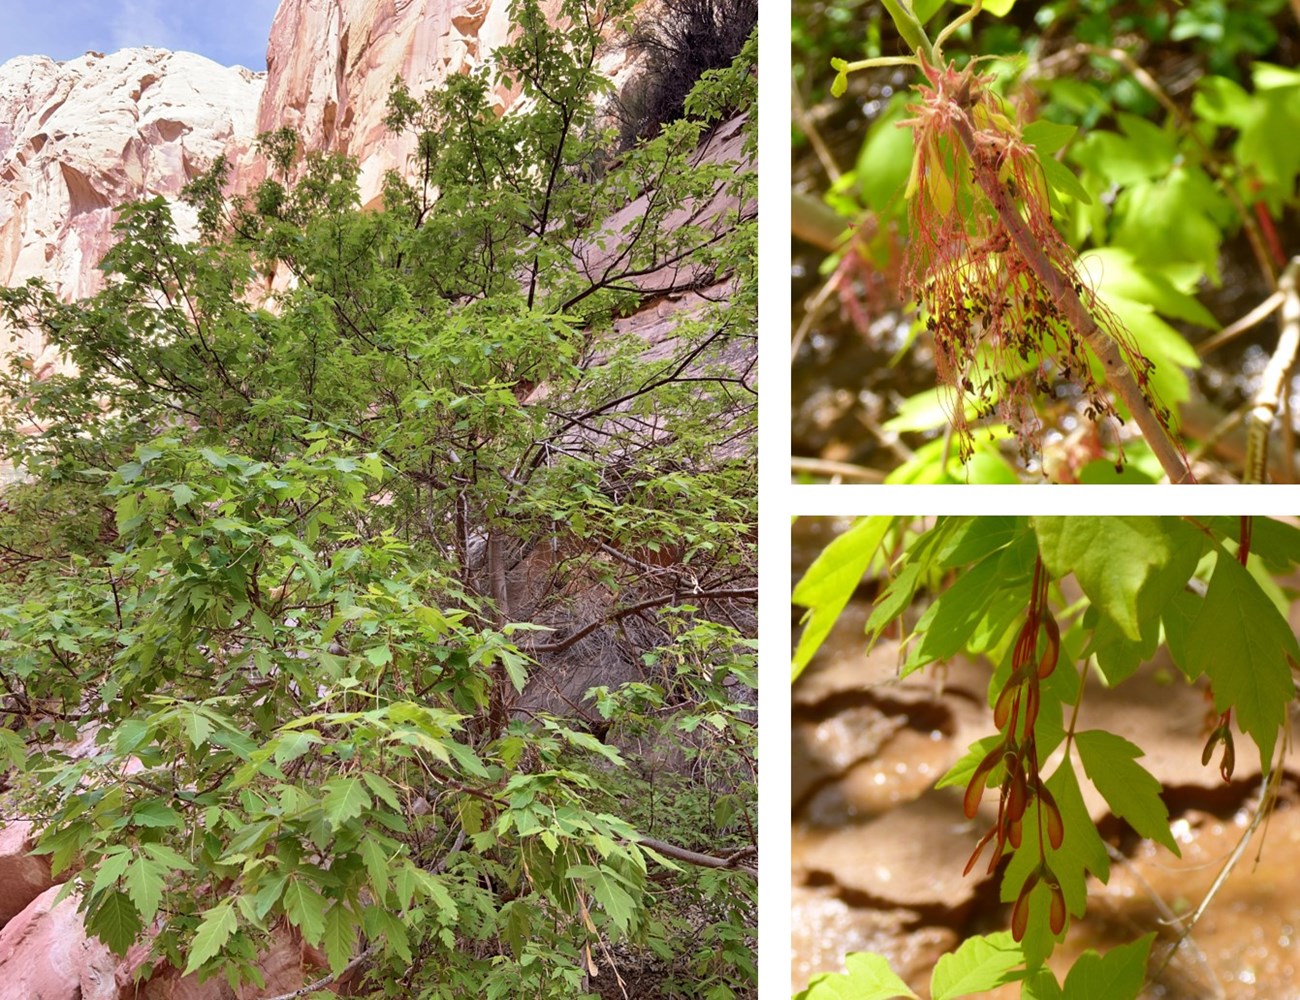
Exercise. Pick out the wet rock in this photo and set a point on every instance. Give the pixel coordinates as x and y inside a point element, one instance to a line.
<point>824,748</point>
<point>911,763</point>
<point>825,928</point>
<point>912,856</point>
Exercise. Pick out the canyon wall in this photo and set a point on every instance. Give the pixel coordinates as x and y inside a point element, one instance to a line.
<point>78,138</point>
<point>331,64</point>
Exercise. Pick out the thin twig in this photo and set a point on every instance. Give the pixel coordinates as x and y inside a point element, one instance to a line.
<point>832,470</point>
<point>325,981</point>
<point>1224,872</point>
<point>1253,318</point>
<point>803,121</point>
<point>1272,383</point>
<point>1167,914</point>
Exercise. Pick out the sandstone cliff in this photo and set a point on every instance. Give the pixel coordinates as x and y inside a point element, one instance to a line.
<point>331,64</point>
<point>78,138</point>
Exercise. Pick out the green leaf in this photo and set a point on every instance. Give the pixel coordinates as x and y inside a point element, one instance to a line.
<point>1041,985</point>
<point>1062,180</point>
<point>197,726</point>
<point>111,868</point>
<point>292,744</point>
<point>340,937</point>
<point>376,861</point>
<point>263,624</point>
<point>345,798</point>
<point>1131,790</point>
<point>115,921</point>
<point>964,769</point>
<point>153,813</point>
<point>894,599</point>
<point>1047,136</point>
<point>886,158</point>
<point>305,908</point>
<point>830,581</point>
<point>1117,975</point>
<point>383,789</point>
<point>1241,642</point>
<point>144,884</point>
<point>213,933</point>
<point>948,624</point>
<point>167,857</point>
<point>976,537</point>
<point>1128,566</point>
<point>927,411</point>
<point>1120,276</point>
<point>608,892</point>
<point>979,964</point>
<point>867,977</point>
<point>182,495</point>
<point>1178,617</point>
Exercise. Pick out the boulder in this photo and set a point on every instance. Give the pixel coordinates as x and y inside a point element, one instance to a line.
<point>45,954</point>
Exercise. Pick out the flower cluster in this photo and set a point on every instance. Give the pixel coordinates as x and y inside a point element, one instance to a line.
<point>1004,299</point>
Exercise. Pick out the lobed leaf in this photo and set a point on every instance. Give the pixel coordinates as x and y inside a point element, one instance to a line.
<point>214,931</point>
<point>1129,789</point>
<point>1244,645</point>
<point>831,580</point>
<point>979,964</point>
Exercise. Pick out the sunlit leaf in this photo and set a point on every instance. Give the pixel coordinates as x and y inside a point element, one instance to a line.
<point>979,964</point>
<point>1128,788</point>
<point>1117,975</point>
<point>830,581</point>
<point>866,977</point>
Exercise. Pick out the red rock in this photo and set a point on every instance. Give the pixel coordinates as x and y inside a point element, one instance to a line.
<point>23,876</point>
<point>45,954</point>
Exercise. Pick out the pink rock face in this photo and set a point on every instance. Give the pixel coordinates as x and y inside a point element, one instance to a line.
<point>287,965</point>
<point>46,955</point>
<point>81,137</point>
<point>331,65</point>
<point>23,877</point>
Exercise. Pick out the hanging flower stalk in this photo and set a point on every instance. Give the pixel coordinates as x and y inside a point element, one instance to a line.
<point>1005,302</point>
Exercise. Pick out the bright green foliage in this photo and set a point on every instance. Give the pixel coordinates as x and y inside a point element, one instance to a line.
<point>1120,562</point>
<point>1149,190</point>
<point>1141,580</point>
<point>867,977</point>
<point>1246,648</point>
<point>1118,974</point>
<point>831,580</point>
<point>329,491</point>
<point>979,964</point>
<point>1129,789</point>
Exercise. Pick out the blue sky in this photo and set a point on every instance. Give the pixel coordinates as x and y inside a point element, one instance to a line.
<point>226,31</point>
